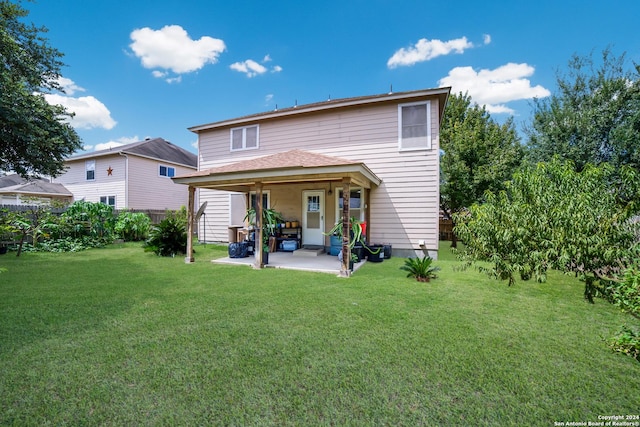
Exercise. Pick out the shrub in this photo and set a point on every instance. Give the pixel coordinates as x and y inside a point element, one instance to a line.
<point>625,291</point>
<point>627,341</point>
<point>87,218</point>
<point>168,238</point>
<point>420,268</point>
<point>132,226</point>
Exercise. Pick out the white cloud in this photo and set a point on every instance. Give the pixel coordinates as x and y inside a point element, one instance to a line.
<point>252,68</point>
<point>89,112</point>
<point>268,98</point>
<point>107,145</point>
<point>159,74</point>
<point>194,144</point>
<point>171,48</point>
<point>486,38</point>
<point>117,143</point>
<point>494,88</point>
<point>425,50</point>
<point>68,86</point>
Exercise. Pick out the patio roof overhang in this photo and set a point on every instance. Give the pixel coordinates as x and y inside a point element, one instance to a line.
<point>290,167</point>
<point>295,166</point>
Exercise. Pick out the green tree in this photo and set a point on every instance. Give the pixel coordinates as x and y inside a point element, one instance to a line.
<point>594,117</point>
<point>478,154</point>
<point>552,217</point>
<point>34,136</point>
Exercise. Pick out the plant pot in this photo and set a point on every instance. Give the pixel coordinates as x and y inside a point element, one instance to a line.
<point>336,245</point>
<point>387,251</point>
<point>265,257</point>
<point>358,251</point>
<point>375,253</point>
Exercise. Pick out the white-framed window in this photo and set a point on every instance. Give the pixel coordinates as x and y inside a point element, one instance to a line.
<point>245,138</point>
<point>414,126</point>
<point>167,171</point>
<point>266,200</point>
<point>90,170</point>
<point>356,203</point>
<point>108,200</point>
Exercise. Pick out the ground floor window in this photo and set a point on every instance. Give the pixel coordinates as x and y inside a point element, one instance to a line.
<point>356,203</point>
<point>108,200</point>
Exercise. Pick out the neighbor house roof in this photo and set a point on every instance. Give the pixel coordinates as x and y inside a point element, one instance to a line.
<point>154,148</point>
<point>286,167</point>
<point>391,97</point>
<point>36,187</point>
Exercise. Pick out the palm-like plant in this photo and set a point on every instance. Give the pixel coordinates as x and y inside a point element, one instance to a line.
<point>420,268</point>
<point>270,220</point>
<point>355,235</point>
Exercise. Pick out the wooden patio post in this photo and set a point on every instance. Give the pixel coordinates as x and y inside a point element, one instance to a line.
<point>189,258</point>
<point>346,227</point>
<point>258,228</point>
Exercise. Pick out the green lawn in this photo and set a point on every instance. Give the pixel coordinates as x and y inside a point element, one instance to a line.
<point>120,337</point>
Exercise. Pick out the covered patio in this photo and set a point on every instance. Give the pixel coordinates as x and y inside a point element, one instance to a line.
<point>289,168</point>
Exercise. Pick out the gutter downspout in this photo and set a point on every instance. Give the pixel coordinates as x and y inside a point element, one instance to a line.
<point>126,181</point>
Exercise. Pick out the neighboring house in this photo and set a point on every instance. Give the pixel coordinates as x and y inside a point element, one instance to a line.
<point>132,176</point>
<point>384,148</point>
<point>16,190</point>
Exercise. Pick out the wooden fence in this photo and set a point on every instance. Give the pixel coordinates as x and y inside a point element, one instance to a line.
<point>156,215</point>
<point>446,229</point>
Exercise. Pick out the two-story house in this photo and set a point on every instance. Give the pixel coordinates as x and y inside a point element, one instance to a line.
<point>382,150</point>
<point>132,176</point>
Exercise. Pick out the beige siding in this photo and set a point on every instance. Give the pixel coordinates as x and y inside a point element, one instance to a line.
<point>148,190</point>
<point>403,209</point>
<point>74,179</point>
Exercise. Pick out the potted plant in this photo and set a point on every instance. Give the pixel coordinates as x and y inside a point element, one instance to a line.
<point>270,220</point>
<point>356,238</point>
<point>355,234</point>
<point>420,268</point>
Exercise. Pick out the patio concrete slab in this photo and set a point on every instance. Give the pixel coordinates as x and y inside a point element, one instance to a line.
<point>321,263</point>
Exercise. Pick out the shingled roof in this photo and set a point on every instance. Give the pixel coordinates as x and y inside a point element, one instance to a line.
<point>287,160</point>
<point>287,167</point>
<point>155,148</point>
<point>15,184</point>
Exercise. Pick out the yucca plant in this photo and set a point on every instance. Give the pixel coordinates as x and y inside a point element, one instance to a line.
<point>168,238</point>
<point>420,268</point>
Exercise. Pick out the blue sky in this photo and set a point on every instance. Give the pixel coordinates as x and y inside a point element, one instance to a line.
<point>137,69</point>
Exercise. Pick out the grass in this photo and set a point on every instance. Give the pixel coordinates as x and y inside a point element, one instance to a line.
<point>121,337</point>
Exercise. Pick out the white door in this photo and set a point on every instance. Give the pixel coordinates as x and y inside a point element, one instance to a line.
<point>313,218</point>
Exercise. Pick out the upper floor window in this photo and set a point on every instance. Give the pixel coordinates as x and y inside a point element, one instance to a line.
<point>90,170</point>
<point>167,171</point>
<point>244,138</point>
<point>414,126</point>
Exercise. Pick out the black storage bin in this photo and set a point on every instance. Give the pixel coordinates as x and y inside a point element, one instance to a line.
<point>238,250</point>
<point>387,251</point>
<point>375,253</point>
